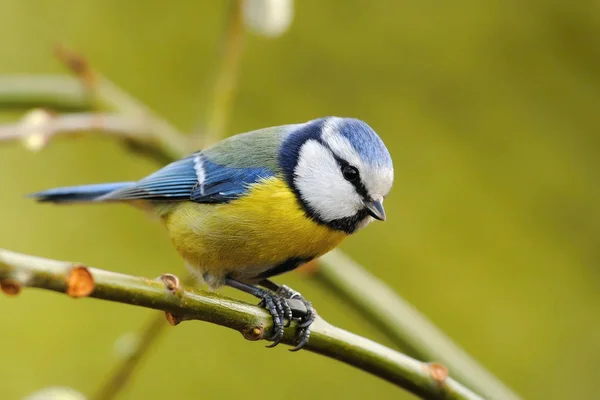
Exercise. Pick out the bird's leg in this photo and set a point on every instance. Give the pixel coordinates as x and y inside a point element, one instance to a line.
<point>274,303</point>
<point>305,321</point>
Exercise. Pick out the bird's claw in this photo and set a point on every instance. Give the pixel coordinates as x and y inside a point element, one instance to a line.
<point>302,337</point>
<point>277,307</point>
<point>304,322</point>
<point>303,333</point>
<point>281,312</point>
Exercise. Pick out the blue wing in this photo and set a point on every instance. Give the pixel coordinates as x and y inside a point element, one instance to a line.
<point>193,178</point>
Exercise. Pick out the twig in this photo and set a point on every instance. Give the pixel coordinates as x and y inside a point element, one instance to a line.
<point>57,92</point>
<point>147,337</point>
<point>225,81</point>
<point>117,381</point>
<point>425,380</point>
<point>403,324</point>
<point>110,96</point>
<point>39,126</point>
<point>50,125</point>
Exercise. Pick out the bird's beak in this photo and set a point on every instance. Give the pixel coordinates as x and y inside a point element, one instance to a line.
<point>375,209</point>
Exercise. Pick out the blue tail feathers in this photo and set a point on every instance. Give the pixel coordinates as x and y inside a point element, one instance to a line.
<point>81,193</point>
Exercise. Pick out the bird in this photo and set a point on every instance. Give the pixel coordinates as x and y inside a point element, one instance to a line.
<point>258,204</point>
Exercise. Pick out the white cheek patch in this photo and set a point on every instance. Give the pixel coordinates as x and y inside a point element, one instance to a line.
<point>321,184</point>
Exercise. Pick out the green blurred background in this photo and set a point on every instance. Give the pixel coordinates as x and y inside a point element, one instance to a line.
<point>490,112</point>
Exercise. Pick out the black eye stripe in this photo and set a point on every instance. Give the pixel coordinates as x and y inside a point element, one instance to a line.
<point>357,183</point>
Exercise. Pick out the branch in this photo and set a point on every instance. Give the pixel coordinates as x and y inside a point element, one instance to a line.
<point>425,380</point>
<point>38,127</point>
<point>48,124</point>
<point>58,92</point>
<point>143,130</point>
<point>403,324</point>
<point>109,96</point>
<point>148,335</point>
<point>118,380</point>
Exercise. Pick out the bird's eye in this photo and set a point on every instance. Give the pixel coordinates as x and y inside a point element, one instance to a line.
<point>350,173</point>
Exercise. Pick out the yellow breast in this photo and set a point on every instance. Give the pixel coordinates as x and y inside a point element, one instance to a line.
<point>250,235</point>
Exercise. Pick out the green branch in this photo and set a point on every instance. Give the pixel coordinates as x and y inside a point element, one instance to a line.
<point>56,92</point>
<point>38,127</point>
<point>46,125</point>
<point>426,380</point>
<point>108,96</point>
<point>403,324</point>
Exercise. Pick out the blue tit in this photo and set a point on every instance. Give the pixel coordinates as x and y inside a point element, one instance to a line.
<point>262,203</point>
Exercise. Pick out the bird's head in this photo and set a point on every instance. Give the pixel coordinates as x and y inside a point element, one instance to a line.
<point>340,170</point>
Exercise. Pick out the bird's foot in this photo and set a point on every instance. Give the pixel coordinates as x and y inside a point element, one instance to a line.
<point>304,322</point>
<point>284,305</point>
<point>279,310</point>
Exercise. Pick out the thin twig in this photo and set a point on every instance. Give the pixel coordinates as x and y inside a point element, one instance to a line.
<point>50,125</point>
<point>39,126</point>
<point>109,96</point>
<point>403,324</point>
<point>426,380</point>
<point>124,371</point>
<point>226,79</point>
<point>147,337</point>
<point>57,92</point>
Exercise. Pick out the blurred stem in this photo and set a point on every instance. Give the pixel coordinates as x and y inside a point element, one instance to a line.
<point>38,127</point>
<point>226,80</point>
<point>56,92</point>
<point>109,96</point>
<point>126,368</point>
<point>429,381</point>
<point>49,125</point>
<point>124,371</point>
<point>403,324</point>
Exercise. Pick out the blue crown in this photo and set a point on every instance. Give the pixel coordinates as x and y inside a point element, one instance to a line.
<point>366,142</point>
